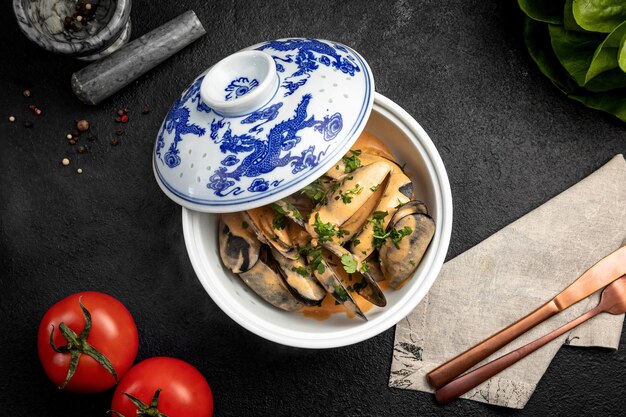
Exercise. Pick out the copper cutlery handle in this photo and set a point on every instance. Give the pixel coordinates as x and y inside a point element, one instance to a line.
<point>461,363</point>
<point>472,379</point>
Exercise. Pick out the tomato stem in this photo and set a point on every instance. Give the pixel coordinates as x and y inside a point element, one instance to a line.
<point>144,410</point>
<point>78,345</point>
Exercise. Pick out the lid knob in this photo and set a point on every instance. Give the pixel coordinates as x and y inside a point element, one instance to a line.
<point>240,83</point>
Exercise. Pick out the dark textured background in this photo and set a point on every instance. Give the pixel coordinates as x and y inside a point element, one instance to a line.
<point>509,140</point>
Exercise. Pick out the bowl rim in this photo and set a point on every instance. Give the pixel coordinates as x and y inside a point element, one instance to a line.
<point>100,41</point>
<point>395,313</point>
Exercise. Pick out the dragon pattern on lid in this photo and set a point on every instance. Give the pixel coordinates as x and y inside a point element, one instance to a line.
<point>209,162</point>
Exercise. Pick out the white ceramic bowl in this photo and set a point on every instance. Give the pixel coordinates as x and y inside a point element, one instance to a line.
<point>410,144</point>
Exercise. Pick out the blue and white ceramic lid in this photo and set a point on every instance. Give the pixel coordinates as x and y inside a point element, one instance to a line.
<point>262,123</point>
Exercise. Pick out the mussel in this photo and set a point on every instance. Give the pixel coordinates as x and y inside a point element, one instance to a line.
<point>356,226</point>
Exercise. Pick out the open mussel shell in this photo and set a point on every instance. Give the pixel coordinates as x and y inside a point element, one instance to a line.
<point>261,222</point>
<point>374,294</point>
<point>265,279</point>
<point>332,283</point>
<point>305,287</point>
<point>239,246</point>
<point>399,262</point>
<point>411,207</point>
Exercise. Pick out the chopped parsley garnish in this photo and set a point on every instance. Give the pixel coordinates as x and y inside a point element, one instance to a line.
<point>400,204</point>
<point>245,224</point>
<point>378,217</point>
<point>396,235</point>
<point>349,263</point>
<point>280,217</point>
<point>325,231</point>
<point>314,256</point>
<point>356,242</point>
<point>412,262</point>
<point>341,233</point>
<point>301,270</point>
<point>341,292</point>
<point>352,162</point>
<point>346,197</point>
<point>364,267</point>
<point>375,188</point>
<point>316,191</point>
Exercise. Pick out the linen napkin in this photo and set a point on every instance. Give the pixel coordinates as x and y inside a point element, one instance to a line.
<point>507,276</point>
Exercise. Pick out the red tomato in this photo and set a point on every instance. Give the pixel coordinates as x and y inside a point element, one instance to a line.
<point>113,334</point>
<point>184,391</point>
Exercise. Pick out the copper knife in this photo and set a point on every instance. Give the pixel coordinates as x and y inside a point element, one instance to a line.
<point>597,277</point>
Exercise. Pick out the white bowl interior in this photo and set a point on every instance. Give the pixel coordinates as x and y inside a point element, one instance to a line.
<point>411,146</point>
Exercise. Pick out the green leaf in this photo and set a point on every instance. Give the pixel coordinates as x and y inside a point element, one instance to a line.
<point>621,56</point>
<point>605,56</point>
<point>607,81</point>
<point>349,263</point>
<point>539,47</point>
<point>574,50</point>
<point>569,22</point>
<point>548,11</point>
<point>613,102</point>
<point>599,15</point>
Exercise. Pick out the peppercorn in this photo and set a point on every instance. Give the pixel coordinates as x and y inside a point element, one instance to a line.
<point>145,110</point>
<point>88,6</point>
<point>26,93</point>
<point>37,111</point>
<point>28,124</point>
<point>11,118</point>
<point>65,162</point>
<point>69,136</point>
<point>114,142</point>
<point>79,18</point>
<point>72,142</point>
<point>82,149</point>
<point>31,106</point>
<point>82,125</point>
<point>119,132</point>
<point>92,138</point>
<point>120,112</point>
<point>79,170</point>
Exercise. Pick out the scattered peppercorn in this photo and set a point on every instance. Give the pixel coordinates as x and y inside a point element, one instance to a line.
<point>145,110</point>
<point>82,125</point>
<point>26,93</point>
<point>28,124</point>
<point>88,6</point>
<point>35,109</point>
<point>114,142</point>
<point>79,18</point>
<point>72,142</point>
<point>81,149</point>
<point>11,118</point>
<point>92,138</point>
<point>119,132</point>
<point>68,136</point>
<point>65,162</point>
<point>120,112</point>
<point>79,170</point>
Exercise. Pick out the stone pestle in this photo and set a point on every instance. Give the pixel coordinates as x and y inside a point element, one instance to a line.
<point>105,77</point>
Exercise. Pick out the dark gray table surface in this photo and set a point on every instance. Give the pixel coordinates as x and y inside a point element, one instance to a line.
<point>508,138</point>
